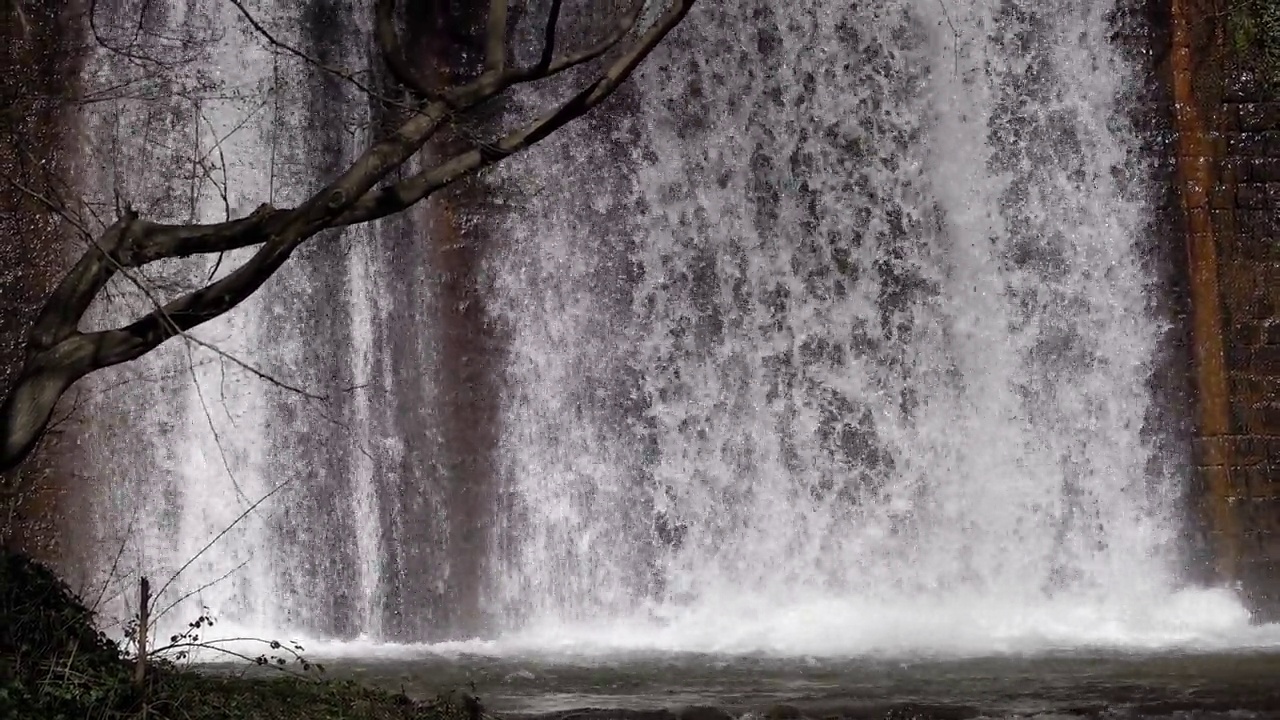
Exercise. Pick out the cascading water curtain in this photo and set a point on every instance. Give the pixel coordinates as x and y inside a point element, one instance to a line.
<point>881,374</point>
<point>166,475</point>
<point>832,333</point>
<point>199,118</point>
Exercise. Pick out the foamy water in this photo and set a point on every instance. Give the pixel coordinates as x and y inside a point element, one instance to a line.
<point>847,352</point>
<point>1190,620</point>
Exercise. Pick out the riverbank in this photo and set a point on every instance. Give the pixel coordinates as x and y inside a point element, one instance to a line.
<point>55,665</point>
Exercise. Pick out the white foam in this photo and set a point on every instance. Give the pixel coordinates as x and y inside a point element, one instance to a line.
<point>1188,620</point>
<point>886,363</point>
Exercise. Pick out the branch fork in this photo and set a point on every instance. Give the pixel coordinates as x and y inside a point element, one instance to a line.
<point>59,353</point>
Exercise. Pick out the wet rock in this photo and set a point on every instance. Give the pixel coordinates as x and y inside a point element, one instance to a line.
<point>596,714</point>
<point>703,712</point>
<point>783,712</point>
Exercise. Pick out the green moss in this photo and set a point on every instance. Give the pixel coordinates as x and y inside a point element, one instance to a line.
<point>55,665</point>
<point>1255,35</point>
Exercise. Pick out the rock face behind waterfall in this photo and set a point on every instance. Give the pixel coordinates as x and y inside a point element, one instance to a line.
<point>40,50</point>
<point>431,357</point>
<point>454,240</point>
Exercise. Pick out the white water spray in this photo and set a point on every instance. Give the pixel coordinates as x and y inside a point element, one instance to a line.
<point>832,336</point>
<point>891,335</point>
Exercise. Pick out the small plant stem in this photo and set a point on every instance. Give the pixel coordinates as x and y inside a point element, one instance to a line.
<point>140,667</point>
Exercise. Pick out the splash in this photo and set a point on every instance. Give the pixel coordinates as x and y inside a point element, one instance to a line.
<point>880,379</point>
<point>834,341</point>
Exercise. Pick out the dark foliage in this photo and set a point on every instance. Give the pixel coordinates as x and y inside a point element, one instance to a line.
<point>56,665</point>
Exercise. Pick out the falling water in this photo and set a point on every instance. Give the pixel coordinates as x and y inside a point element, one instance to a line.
<point>282,448</point>
<point>835,339</point>
<point>881,373</point>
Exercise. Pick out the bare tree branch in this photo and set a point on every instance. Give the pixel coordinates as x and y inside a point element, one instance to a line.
<point>167,59</point>
<point>335,71</point>
<point>549,38</point>
<point>548,67</point>
<point>397,197</point>
<point>71,299</point>
<point>59,353</point>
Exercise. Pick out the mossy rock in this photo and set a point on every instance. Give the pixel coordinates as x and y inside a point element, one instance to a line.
<point>1255,36</point>
<point>41,618</point>
<point>56,665</point>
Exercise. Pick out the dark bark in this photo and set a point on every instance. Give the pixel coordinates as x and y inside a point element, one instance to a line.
<point>59,354</point>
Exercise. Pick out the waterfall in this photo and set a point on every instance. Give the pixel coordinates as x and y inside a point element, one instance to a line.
<point>308,409</point>
<point>876,369</point>
<point>837,338</point>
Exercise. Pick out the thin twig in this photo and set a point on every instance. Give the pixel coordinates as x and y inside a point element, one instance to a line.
<point>201,589</point>
<point>223,533</point>
<point>337,72</point>
<point>217,439</point>
<point>115,563</point>
<point>955,36</point>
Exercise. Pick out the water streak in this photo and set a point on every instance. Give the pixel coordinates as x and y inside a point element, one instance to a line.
<point>890,341</point>
<point>836,339</point>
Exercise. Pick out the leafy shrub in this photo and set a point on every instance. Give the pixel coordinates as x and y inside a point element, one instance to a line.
<point>56,665</point>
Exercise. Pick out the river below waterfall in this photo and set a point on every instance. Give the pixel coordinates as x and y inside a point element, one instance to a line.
<point>1239,684</point>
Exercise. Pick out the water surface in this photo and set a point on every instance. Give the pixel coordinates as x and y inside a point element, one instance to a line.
<point>1183,684</point>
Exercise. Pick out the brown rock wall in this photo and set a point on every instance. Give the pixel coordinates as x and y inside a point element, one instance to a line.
<point>1229,134</point>
<point>38,71</point>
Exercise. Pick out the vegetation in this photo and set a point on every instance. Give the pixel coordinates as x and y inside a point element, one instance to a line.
<point>56,665</point>
<point>1255,36</point>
